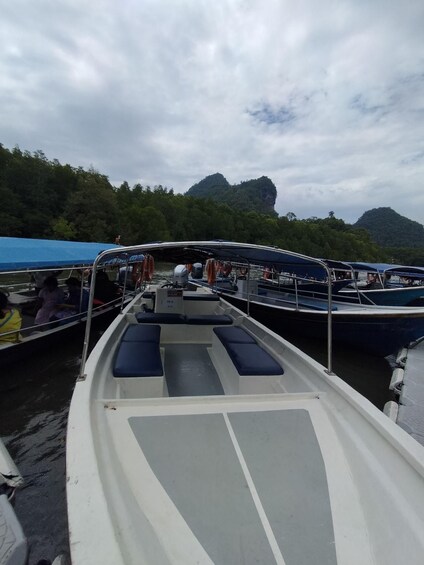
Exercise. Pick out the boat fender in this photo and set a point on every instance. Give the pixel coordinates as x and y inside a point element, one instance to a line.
<point>396,381</point>
<point>391,409</point>
<point>401,357</point>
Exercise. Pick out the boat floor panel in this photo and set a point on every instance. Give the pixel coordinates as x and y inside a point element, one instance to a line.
<point>252,479</point>
<point>189,371</point>
<point>223,476</point>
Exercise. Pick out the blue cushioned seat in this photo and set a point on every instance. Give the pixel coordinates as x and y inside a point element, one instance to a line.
<point>209,319</point>
<point>160,317</point>
<point>134,332</point>
<point>235,334</point>
<point>251,359</point>
<point>136,359</point>
<point>201,296</point>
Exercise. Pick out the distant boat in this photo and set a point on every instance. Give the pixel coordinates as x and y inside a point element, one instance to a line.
<point>295,299</point>
<point>390,285</point>
<point>197,435</point>
<point>19,258</point>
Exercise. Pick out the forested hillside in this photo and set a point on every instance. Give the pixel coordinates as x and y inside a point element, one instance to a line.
<point>44,199</point>
<point>256,195</point>
<point>390,229</point>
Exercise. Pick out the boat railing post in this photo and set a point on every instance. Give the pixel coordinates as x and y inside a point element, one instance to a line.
<point>248,290</point>
<point>88,324</point>
<point>329,324</point>
<point>125,283</point>
<point>296,293</point>
<point>355,282</point>
<point>81,290</point>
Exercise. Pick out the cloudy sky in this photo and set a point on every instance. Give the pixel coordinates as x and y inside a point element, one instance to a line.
<point>325,98</point>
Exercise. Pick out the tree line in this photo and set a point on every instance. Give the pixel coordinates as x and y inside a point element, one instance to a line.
<point>45,199</point>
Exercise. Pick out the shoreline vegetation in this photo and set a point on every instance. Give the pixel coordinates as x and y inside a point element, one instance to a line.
<point>47,200</point>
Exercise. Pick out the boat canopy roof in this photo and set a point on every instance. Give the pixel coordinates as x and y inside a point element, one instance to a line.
<point>371,267</point>
<point>21,254</point>
<point>400,270</point>
<point>200,251</point>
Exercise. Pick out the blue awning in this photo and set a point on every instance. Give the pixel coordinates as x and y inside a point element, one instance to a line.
<point>19,254</point>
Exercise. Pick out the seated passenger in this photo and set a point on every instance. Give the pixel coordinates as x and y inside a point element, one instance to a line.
<point>105,290</point>
<point>49,297</point>
<point>10,319</point>
<point>75,303</point>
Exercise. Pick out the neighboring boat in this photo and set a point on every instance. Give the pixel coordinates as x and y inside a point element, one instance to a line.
<point>379,330</point>
<point>197,435</point>
<point>19,258</point>
<point>407,384</point>
<point>13,543</point>
<point>387,285</point>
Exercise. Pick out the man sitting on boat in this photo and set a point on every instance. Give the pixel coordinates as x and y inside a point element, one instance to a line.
<point>105,290</point>
<point>10,320</point>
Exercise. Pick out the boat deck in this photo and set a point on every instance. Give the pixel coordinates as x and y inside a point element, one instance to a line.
<point>180,453</point>
<point>190,371</point>
<point>218,461</point>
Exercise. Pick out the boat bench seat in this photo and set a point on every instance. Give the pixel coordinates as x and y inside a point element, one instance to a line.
<point>138,354</point>
<point>202,297</point>
<point>160,318</point>
<point>209,319</point>
<point>247,355</point>
<point>192,319</point>
<point>138,366</point>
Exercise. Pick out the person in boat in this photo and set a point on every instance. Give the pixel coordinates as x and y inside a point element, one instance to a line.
<point>105,290</point>
<point>10,320</point>
<point>48,299</point>
<point>75,303</point>
<point>38,278</point>
<point>374,283</point>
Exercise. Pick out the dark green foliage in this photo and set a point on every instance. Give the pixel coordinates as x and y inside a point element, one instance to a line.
<point>257,195</point>
<point>43,199</point>
<point>390,229</point>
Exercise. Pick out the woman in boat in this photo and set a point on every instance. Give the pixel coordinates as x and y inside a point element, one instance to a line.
<point>75,303</point>
<point>49,298</point>
<point>10,319</point>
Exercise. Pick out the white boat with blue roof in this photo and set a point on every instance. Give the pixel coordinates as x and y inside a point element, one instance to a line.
<point>198,435</point>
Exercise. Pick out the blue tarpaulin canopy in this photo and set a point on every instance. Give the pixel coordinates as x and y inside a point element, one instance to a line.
<point>20,254</point>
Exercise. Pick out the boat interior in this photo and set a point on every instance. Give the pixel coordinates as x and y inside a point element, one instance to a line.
<point>232,446</point>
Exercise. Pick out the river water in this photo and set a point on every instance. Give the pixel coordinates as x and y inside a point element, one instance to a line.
<point>34,403</point>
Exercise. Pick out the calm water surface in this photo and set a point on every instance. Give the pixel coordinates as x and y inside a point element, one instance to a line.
<point>34,403</point>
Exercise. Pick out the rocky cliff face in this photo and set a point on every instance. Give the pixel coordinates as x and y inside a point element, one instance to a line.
<point>257,194</point>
